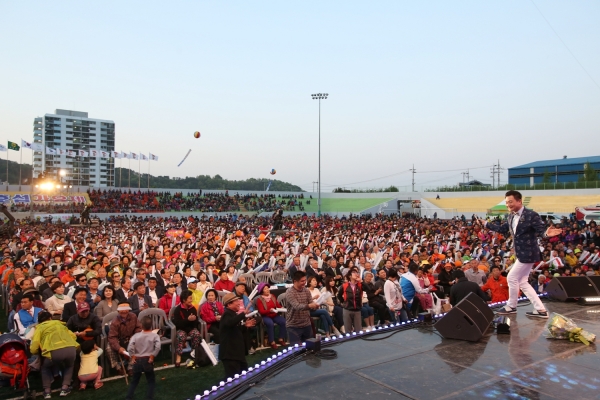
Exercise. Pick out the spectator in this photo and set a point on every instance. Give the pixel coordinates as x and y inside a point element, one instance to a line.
<point>350,296</point>
<point>266,304</point>
<point>211,312</point>
<point>143,347</point>
<point>233,350</point>
<point>108,304</point>
<point>27,315</point>
<point>300,303</point>
<point>498,286</point>
<point>121,330</point>
<point>185,318</point>
<point>224,283</point>
<point>89,370</point>
<point>320,313</point>
<point>85,325</point>
<point>169,300</point>
<point>56,303</point>
<point>57,346</point>
<point>393,296</point>
<point>139,301</point>
<point>463,288</point>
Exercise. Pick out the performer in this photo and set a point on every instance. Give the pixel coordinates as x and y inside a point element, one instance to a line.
<point>524,225</point>
<point>85,215</point>
<point>278,220</point>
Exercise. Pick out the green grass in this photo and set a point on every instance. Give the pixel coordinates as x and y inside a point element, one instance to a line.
<point>341,205</point>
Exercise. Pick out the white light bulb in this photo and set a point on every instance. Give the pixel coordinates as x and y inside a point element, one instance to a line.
<point>229,380</point>
<point>236,376</point>
<point>221,383</point>
<point>214,388</point>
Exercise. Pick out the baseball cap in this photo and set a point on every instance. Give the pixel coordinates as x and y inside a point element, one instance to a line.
<point>81,307</point>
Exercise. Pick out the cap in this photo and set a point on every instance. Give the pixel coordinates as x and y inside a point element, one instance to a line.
<point>577,251</point>
<point>425,262</point>
<point>81,307</point>
<point>569,251</point>
<point>124,307</point>
<point>48,273</point>
<point>228,298</point>
<point>192,280</point>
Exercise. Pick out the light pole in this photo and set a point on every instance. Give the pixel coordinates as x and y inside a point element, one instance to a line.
<point>319,96</point>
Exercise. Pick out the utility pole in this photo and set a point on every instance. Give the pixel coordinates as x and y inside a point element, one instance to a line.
<point>314,185</point>
<point>499,170</point>
<point>413,177</point>
<point>466,174</point>
<point>493,176</point>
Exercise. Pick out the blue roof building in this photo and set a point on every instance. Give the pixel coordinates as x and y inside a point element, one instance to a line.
<point>561,170</point>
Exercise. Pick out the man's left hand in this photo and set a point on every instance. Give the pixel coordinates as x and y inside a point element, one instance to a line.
<point>551,232</point>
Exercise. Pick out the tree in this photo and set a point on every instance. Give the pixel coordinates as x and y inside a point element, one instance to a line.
<point>547,178</point>
<point>589,173</point>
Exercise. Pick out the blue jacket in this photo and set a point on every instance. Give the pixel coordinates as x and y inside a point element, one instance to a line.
<point>525,238</point>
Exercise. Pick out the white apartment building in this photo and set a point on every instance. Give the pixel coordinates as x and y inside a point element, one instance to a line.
<point>73,130</point>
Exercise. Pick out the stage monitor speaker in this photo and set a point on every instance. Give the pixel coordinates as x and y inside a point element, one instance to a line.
<point>570,287</point>
<point>468,320</point>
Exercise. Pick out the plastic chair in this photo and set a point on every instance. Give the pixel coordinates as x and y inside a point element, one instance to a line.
<point>160,321</point>
<point>263,277</point>
<point>107,320</point>
<point>250,280</point>
<point>279,276</point>
<point>201,327</point>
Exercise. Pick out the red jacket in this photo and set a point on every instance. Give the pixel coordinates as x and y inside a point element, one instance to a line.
<point>228,285</point>
<point>499,288</point>
<point>166,301</point>
<point>208,315</point>
<point>265,306</point>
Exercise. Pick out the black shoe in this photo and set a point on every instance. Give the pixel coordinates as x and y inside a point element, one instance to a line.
<point>506,310</point>
<point>537,314</point>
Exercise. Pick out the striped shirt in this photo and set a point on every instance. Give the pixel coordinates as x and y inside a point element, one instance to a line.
<point>298,313</point>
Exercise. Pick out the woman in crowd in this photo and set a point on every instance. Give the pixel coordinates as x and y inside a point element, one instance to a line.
<point>203,284</point>
<point>320,313</point>
<point>426,299</point>
<point>266,304</point>
<point>333,305</point>
<point>170,299</point>
<point>350,296</point>
<point>108,304</point>
<point>211,312</point>
<point>56,303</point>
<point>185,318</point>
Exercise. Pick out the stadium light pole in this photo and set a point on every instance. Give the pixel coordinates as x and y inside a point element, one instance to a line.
<point>319,96</point>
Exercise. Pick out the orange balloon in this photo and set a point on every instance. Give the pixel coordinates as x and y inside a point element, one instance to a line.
<point>217,238</point>
<point>187,235</point>
<point>239,234</point>
<point>261,237</point>
<point>232,244</point>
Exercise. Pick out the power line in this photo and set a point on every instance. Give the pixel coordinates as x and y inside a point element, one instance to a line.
<point>564,44</point>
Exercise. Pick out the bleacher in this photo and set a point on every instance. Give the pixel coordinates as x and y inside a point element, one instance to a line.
<point>465,204</point>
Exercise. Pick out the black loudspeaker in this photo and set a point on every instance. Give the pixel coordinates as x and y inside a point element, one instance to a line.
<point>468,320</point>
<point>569,287</point>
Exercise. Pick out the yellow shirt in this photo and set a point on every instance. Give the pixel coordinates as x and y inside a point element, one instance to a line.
<point>89,362</point>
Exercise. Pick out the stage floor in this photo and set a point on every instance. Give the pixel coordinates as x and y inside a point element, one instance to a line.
<point>419,364</point>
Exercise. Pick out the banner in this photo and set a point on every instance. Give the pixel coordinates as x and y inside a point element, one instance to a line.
<point>64,218</point>
<point>25,198</point>
<point>71,153</point>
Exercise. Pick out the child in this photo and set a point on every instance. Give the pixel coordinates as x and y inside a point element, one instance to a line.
<point>90,370</point>
<point>143,347</point>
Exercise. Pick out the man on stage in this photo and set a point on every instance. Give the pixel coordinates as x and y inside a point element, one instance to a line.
<point>525,226</point>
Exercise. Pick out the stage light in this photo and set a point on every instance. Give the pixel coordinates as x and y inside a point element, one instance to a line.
<point>284,351</point>
<point>256,366</point>
<point>221,383</point>
<point>279,354</point>
<point>296,345</point>
<point>206,392</point>
<point>347,335</point>
<point>353,333</point>
<point>262,363</point>
<point>589,300</point>
<point>361,332</point>
<point>243,373</point>
<point>214,388</point>
<point>229,380</point>
<point>303,344</point>
<point>250,369</point>
<point>236,376</point>
<point>269,359</point>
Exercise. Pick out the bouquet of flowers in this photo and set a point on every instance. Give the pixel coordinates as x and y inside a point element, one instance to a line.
<point>561,327</point>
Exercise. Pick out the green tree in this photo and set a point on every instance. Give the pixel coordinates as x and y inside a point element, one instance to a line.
<point>589,173</point>
<point>547,178</point>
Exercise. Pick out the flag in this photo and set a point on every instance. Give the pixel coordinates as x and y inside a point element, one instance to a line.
<point>153,157</point>
<point>123,155</point>
<point>13,146</point>
<point>70,153</point>
<point>143,157</point>
<point>62,152</point>
<point>50,150</point>
<point>82,153</point>
<point>133,156</point>
<point>93,153</point>
<point>37,146</point>
<point>104,154</point>
<point>3,148</point>
<point>25,145</point>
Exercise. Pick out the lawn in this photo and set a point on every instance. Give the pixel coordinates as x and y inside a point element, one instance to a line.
<point>341,205</point>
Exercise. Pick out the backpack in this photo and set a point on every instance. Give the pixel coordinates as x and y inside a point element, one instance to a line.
<point>13,364</point>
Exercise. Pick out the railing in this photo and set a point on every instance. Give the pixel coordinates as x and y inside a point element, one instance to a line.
<point>537,186</point>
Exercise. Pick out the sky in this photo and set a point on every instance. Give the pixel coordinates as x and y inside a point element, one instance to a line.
<point>445,86</point>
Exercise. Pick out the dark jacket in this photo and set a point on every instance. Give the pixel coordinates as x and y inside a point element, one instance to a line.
<point>525,238</point>
<point>233,345</point>
<point>445,278</point>
<point>78,324</point>
<point>135,303</point>
<point>160,292</point>
<point>353,300</point>
<point>120,296</point>
<point>180,318</point>
<point>462,288</point>
<point>311,272</point>
<point>69,310</point>
<point>370,289</point>
<point>121,330</point>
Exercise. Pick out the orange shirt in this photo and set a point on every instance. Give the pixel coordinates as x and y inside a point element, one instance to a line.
<point>499,288</point>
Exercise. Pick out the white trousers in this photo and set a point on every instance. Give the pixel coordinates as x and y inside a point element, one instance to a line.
<point>518,279</point>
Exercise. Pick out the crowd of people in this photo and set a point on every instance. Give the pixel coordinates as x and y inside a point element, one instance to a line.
<point>345,274</point>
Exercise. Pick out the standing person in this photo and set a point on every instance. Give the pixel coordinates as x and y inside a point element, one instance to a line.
<point>298,323</point>
<point>525,226</point>
<point>233,349</point>
<point>57,346</point>
<point>393,296</point>
<point>350,296</point>
<point>143,347</point>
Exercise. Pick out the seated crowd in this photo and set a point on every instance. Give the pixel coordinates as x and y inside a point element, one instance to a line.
<point>75,287</point>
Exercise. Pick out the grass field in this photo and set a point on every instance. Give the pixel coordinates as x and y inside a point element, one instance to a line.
<point>341,205</point>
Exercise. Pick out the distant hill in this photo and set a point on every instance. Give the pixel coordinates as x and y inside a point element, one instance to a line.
<point>13,171</point>
<point>200,182</point>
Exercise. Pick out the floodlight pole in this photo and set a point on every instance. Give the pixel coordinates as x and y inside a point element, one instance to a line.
<point>319,96</point>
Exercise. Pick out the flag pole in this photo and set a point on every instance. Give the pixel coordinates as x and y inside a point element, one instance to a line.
<point>129,183</point>
<point>149,174</point>
<point>20,163</point>
<point>121,171</point>
<point>7,170</point>
<point>139,171</point>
